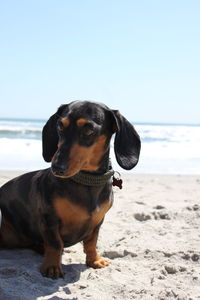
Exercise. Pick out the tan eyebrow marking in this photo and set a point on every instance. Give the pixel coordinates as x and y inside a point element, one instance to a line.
<point>80,122</point>
<point>65,122</point>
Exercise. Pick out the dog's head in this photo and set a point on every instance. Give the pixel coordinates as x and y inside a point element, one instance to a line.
<point>77,137</point>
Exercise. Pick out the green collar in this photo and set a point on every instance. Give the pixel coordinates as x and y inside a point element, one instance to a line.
<point>92,179</point>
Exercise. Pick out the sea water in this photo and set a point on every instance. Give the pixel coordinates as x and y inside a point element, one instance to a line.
<point>166,148</point>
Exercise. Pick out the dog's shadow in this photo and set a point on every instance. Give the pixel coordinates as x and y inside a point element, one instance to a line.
<point>20,277</point>
<point>72,272</point>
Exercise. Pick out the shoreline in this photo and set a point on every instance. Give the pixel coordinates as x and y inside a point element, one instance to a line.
<point>10,174</point>
<point>150,235</point>
<point>6,175</point>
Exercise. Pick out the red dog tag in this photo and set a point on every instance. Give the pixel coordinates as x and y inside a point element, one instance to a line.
<point>117,182</point>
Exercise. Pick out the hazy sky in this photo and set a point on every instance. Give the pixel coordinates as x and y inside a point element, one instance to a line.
<point>141,57</point>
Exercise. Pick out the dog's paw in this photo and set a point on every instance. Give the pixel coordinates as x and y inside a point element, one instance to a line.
<point>100,262</point>
<point>53,272</point>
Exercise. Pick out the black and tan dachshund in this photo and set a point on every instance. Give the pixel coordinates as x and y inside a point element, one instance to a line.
<point>54,208</point>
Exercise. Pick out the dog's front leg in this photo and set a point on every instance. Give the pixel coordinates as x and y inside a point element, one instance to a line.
<point>53,248</point>
<point>93,259</point>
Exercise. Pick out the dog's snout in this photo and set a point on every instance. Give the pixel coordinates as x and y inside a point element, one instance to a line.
<point>58,170</point>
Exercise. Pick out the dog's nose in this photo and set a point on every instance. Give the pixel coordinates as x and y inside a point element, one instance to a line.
<point>58,170</point>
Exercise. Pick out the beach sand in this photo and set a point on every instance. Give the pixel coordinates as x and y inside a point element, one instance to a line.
<point>151,235</point>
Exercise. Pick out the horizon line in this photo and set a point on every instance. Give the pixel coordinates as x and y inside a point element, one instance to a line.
<point>135,122</point>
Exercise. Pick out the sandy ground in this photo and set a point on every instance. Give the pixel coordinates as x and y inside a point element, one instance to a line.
<point>151,236</point>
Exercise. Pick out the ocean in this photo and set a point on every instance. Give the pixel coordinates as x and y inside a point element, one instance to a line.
<point>166,148</point>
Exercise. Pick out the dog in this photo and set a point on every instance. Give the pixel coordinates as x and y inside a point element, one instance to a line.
<point>50,209</point>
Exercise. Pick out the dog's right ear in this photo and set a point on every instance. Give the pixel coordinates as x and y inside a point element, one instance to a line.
<point>127,142</point>
<point>50,135</point>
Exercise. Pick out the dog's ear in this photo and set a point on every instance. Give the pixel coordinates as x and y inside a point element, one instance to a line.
<point>127,142</point>
<point>50,135</point>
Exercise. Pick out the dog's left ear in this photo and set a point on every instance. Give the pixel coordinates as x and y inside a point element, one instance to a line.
<point>50,135</point>
<point>127,142</point>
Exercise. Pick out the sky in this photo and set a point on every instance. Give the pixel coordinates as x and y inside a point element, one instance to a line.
<point>141,57</point>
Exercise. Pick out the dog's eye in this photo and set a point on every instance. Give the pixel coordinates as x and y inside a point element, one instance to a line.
<point>88,129</point>
<point>60,126</point>
<point>88,132</point>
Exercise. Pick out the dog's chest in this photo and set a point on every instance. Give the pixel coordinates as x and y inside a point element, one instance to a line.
<point>76,219</point>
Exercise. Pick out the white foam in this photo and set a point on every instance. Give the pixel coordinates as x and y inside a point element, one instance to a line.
<point>165,149</point>
<point>20,154</point>
<point>20,126</point>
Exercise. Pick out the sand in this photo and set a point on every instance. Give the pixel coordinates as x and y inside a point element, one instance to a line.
<point>151,236</point>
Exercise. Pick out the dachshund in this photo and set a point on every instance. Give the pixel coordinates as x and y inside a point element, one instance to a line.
<point>50,209</point>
